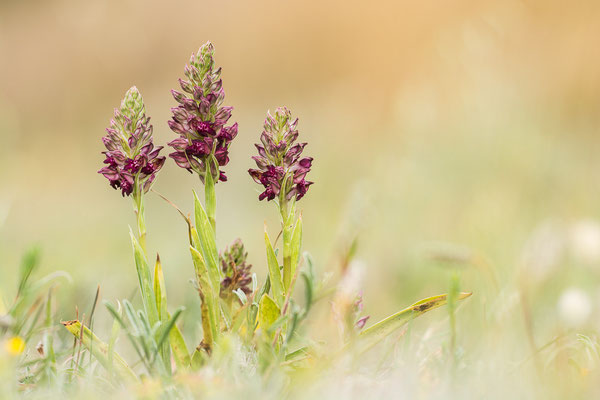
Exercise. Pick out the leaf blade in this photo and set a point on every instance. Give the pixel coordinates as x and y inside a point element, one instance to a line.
<point>380,330</point>
<point>274,272</point>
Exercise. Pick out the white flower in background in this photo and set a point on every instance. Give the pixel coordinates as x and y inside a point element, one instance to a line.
<point>574,307</point>
<point>584,241</point>
<point>543,250</point>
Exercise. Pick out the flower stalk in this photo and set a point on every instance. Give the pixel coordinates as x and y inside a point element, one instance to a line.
<point>138,208</point>
<point>201,120</point>
<point>132,163</point>
<point>202,147</point>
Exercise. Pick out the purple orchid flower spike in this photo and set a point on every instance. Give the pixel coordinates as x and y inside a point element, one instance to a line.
<point>131,159</point>
<point>200,119</point>
<point>280,169</point>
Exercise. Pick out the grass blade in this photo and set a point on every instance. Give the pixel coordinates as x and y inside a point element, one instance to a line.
<point>379,331</point>
<point>166,329</point>
<point>99,350</point>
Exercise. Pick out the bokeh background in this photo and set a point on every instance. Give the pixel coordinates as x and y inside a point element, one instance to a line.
<point>456,135</point>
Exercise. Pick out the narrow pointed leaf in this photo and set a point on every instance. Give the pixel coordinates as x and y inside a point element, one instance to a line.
<point>166,330</point>
<point>160,292</point>
<point>274,272</point>
<point>208,247</point>
<point>379,331</point>
<point>210,198</point>
<point>99,349</point>
<point>145,280</point>
<point>180,351</point>
<point>211,300</point>
<point>296,245</point>
<point>288,227</point>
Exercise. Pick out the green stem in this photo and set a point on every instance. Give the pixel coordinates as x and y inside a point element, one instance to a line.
<point>287,219</point>
<point>210,198</point>
<point>138,207</point>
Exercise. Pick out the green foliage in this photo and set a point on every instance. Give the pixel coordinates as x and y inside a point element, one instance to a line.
<point>100,350</point>
<point>268,314</point>
<point>379,331</point>
<point>274,272</point>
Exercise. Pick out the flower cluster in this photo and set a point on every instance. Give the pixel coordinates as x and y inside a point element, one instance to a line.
<point>131,159</point>
<point>235,269</point>
<point>280,169</point>
<point>199,119</point>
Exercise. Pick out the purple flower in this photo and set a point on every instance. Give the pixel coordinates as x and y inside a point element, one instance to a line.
<point>279,164</point>
<point>131,159</point>
<point>200,118</point>
<point>236,271</point>
<point>356,310</point>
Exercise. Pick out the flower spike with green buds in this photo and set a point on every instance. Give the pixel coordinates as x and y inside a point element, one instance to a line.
<point>280,169</point>
<point>200,118</point>
<point>132,161</point>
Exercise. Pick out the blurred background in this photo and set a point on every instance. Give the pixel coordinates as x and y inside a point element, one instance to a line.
<point>449,136</point>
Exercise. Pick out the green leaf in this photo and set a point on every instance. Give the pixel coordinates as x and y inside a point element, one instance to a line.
<point>145,280</point>
<point>301,352</point>
<point>99,349</point>
<point>210,298</point>
<point>131,335</point>
<point>28,265</point>
<point>48,338</point>
<point>180,351</point>
<point>198,359</point>
<point>287,215</point>
<point>379,331</point>
<point>274,272</point>
<point>268,313</point>
<point>210,198</point>
<point>114,334</point>
<point>208,246</point>
<point>160,292</point>
<point>296,245</point>
<point>166,330</point>
<point>309,282</point>
<point>160,297</point>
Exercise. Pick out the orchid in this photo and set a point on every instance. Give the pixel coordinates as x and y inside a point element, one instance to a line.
<point>280,169</point>
<point>200,118</point>
<point>131,159</point>
<point>245,331</point>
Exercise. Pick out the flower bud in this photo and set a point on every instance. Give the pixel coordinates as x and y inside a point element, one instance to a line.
<point>236,271</point>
